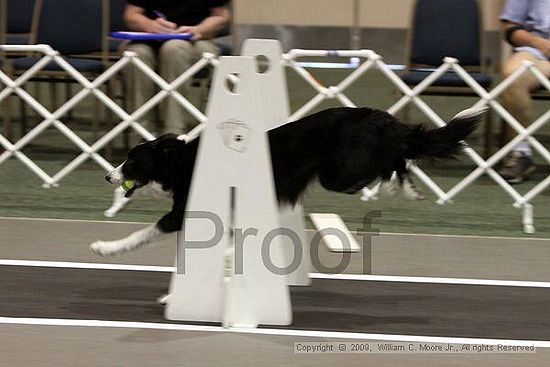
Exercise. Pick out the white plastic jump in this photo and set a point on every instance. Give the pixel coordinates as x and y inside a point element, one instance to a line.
<point>277,106</point>
<point>232,179</point>
<point>236,279</point>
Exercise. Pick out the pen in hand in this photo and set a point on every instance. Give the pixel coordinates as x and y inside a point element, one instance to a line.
<point>161,19</point>
<point>159,14</point>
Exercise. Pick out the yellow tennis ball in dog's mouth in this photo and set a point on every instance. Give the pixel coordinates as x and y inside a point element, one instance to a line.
<point>128,185</point>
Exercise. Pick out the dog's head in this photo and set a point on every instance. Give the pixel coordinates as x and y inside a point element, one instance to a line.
<point>143,164</point>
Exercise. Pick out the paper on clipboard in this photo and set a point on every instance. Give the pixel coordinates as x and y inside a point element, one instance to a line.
<point>144,36</point>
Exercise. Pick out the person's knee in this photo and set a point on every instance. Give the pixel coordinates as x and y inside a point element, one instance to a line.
<point>176,50</point>
<point>520,88</point>
<point>516,61</point>
<point>206,46</point>
<point>510,67</point>
<point>143,52</point>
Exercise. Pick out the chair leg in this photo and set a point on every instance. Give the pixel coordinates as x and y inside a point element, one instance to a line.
<point>53,96</point>
<point>68,92</point>
<point>502,133</point>
<point>405,113</point>
<point>6,104</point>
<point>23,112</point>
<point>23,108</point>
<point>489,136</point>
<point>8,129</point>
<point>402,114</point>
<point>95,122</point>
<point>39,98</point>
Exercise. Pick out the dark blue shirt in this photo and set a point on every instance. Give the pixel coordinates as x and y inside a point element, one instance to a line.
<point>181,12</point>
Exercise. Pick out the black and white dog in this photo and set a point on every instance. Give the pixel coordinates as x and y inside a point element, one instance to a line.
<point>344,148</point>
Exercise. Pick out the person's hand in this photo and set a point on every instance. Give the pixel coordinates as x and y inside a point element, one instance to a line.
<point>161,25</point>
<point>544,46</point>
<point>195,32</point>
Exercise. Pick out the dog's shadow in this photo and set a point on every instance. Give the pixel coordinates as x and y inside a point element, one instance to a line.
<point>152,336</point>
<point>139,304</point>
<point>118,303</point>
<point>130,304</point>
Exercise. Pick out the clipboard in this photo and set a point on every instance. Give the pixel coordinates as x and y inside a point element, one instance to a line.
<point>144,36</point>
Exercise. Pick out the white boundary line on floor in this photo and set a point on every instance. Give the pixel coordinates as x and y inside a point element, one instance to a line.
<point>329,335</point>
<point>354,277</point>
<point>374,235</point>
<point>431,280</point>
<point>83,265</point>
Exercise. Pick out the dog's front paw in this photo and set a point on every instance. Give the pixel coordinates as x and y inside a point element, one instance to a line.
<point>103,248</point>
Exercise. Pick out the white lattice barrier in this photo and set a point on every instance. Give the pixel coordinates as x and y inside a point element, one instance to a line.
<point>89,87</point>
<point>370,60</point>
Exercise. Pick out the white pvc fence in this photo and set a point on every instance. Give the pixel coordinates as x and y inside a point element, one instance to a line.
<point>373,60</point>
<point>127,120</point>
<point>368,60</point>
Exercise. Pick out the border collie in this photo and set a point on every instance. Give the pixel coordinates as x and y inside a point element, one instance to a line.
<point>344,148</point>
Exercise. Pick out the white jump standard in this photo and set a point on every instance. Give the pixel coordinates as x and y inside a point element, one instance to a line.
<point>240,192</point>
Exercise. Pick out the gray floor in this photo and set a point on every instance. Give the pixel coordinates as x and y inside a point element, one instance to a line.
<point>388,254</point>
<point>34,345</point>
<point>327,305</point>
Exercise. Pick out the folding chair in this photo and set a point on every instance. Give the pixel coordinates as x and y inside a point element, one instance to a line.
<point>3,30</point>
<point>16,20</point>
<point>116,23</point>
<point>19,20</point>
<point>3,21</point>
<point>452,28</point>
<point>73,28</point>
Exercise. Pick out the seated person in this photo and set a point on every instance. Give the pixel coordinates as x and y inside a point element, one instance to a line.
<point>203,19</point>
<point>526,25</point>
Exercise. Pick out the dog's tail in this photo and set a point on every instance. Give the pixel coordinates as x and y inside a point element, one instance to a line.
<point>444,142</point>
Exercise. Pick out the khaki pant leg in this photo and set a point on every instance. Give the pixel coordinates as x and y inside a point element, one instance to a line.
<point>175,57</point>
<point>140,87</point>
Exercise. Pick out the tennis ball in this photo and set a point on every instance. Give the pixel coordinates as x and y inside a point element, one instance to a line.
<point>128,185</point>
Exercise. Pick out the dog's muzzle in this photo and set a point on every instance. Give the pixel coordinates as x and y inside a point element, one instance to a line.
<point>115,177</point>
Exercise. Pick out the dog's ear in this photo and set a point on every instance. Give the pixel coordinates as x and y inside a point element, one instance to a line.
<point>163,139</point>
<point>166,144</point>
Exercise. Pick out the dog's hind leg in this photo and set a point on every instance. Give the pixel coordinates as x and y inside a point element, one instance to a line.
<point>411,191</point>
<point>390,186</point>
<point>408,188</point>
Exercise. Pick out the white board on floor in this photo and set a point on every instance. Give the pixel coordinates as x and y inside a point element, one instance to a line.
<point>268,54</point>
<point>233,178</point>
<point>338,238</point>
